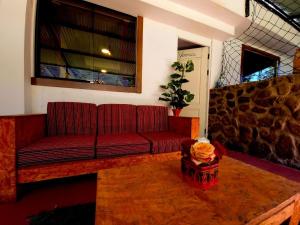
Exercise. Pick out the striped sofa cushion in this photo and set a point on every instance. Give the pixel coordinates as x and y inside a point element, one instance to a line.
<point>116,119</point>
<point>121,144</point>
<point>70,118</point>
<point>152,118</point>
<point>165,141</point>
<point>57,149</point>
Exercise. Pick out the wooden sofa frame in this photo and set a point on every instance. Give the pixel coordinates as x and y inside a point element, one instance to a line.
<point>21,130</point>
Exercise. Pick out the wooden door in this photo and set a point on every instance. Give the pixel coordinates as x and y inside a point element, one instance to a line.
<point>198,85</point>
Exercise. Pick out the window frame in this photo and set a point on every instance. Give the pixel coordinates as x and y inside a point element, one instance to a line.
<point>77,84</point>
<point>259,52</point>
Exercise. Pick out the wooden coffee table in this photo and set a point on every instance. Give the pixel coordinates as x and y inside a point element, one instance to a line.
<point>157,193</point>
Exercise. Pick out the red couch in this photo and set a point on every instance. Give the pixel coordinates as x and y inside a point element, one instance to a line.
<point>82,135</point>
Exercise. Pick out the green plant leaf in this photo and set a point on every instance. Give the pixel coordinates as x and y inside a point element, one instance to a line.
<point>183,80</point>
<point>185,92</point>
<point>172,86</point>
<point>163,87</point>
<point>175,75</point>
<point>166,94</point>
<point>189,97</point>
<point>178,97</point>
<point>189,66</point>
<point>164,99</point>
<point>178,66</point>
<point>181,104</point>
<point>175,83</point>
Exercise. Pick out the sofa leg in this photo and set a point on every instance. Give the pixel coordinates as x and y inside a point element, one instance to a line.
<point>8,192</point>
<point>8,181</point>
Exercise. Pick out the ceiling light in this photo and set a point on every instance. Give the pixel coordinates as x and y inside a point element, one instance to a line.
<point>105,51</point>
<point>103,71</point>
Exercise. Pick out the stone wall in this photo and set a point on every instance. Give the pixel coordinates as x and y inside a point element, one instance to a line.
<point>259,118</point>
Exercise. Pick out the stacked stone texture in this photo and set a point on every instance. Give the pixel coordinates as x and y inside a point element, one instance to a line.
<point>259,118</point>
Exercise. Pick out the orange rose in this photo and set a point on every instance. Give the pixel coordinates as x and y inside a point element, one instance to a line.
<point>202,152</point>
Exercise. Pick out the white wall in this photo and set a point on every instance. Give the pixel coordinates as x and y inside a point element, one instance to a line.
<point>159,51</point>
<point>12,26</point>
<point>29,52</point>
<point>215,62</point>
<point>17,95</point>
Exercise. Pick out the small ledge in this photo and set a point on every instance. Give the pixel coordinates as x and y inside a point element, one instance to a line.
<point>81,85</point>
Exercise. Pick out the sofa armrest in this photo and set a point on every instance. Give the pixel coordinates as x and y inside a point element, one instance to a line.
<point>16,132</point>
<point>29,128</point>
<point>188,126</point>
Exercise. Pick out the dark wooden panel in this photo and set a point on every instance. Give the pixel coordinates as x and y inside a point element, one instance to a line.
<point>139,55</point>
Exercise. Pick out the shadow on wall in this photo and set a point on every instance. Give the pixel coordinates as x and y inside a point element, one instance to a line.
<point>259,118</point>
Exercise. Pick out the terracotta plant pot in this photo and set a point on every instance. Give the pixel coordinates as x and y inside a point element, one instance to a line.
<point>176,112</point>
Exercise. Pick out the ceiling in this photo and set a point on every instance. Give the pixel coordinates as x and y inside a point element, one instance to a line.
<point>213,21</point>
<point>218,10</point>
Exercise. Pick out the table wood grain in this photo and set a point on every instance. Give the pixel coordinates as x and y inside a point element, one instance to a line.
<point>157,193</point>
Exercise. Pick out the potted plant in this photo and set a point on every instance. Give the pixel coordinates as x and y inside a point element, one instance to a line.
<point>174,93</point>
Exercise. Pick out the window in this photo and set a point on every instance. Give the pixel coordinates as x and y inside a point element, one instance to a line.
<point>257,65</point>
<point>83,45</point>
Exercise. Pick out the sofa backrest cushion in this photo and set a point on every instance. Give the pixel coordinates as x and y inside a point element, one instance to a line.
<point>152,118</point>
<point>70,118</point>
<point>116,119</point>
